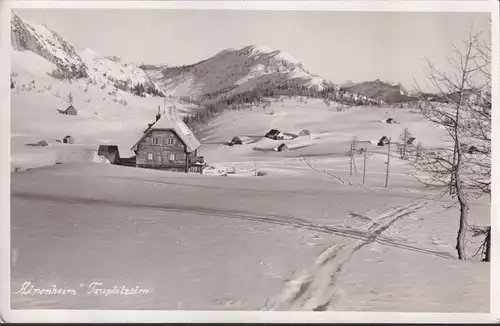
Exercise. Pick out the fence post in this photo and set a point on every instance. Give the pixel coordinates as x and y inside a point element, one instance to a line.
<point>364,167</point>
<point>388,163</point>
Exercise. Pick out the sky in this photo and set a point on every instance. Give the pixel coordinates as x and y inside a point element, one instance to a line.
<point>338,46</point>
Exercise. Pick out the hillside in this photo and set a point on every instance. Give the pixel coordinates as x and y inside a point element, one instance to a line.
<point>382,91</point>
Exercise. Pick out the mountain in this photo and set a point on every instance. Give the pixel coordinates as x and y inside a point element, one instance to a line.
<point>233,71</point>
<point>379,90</point>
<point>86,63</point>
<point>39,39</point>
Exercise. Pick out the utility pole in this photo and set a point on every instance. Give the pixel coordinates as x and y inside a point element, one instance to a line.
<point>388,163</point>
<point>350,162</point>
<point>364,167</point>
<point>354,158</point>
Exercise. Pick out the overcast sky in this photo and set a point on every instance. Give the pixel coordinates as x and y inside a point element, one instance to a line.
<point>338,46</point>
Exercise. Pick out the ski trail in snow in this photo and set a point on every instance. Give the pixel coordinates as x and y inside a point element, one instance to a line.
<point>314,289</point>
<point>338,178</point>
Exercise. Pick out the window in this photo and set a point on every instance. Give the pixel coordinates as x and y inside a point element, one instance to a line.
<point>170,141</point>
<point>171,157</point>
<point>156,141</point>
<point>150,156</point>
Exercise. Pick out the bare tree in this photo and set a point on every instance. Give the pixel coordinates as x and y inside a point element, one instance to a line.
<point>465,116</point>
<point>403,146</point>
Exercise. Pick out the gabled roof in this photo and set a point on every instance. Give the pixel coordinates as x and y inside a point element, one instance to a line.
<point>69,107</point>
<point>176,125</point>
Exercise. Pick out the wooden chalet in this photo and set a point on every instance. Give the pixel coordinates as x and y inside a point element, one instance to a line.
<point>167,144</point>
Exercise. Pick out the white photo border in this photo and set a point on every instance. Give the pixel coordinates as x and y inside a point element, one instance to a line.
<point>39,315</point>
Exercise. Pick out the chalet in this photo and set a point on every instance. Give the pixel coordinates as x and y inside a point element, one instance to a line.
<point>71,110</point>
<point>110,152</point>
<point>168,144</point>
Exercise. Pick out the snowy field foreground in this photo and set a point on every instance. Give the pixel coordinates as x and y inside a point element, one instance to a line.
<point>220,243</point>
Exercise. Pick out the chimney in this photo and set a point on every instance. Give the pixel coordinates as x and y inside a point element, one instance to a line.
<point>158,115</point>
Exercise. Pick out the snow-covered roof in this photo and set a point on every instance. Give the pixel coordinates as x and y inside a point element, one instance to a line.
<point>179,127</point>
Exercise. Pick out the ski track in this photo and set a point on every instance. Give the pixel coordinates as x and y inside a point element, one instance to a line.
<point>315,289</point>
<point>338,178</point>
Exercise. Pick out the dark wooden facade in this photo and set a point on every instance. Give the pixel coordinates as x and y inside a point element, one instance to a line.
<point>163,149</point>
<point>71,110</point>
<point>110,152</point>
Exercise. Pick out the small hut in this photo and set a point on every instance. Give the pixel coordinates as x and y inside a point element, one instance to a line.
<point>110,152</point>
<point>410,141</point>
<point>384,140</point>
<point>41,143</point>
<point>473,149</point>
<point>71,110</point>
<point>282,148</point>
<point>235,141</point>
<point>304,132</point>
<point>273,134</point>
<point>69,140</point>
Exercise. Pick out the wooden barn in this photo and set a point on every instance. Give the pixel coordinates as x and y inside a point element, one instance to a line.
<point>235,141</point>
<point>383,141</point>
<point>69,140</point>
<point>71,110</point>
<point>304,132</point>
<point>273,134</point>
<point>282,148</point>
<point>110,152</point>
<point>167,145</point>
<point>411,141</point>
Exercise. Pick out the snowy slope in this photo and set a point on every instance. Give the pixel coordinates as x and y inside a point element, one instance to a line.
<point>235,69</point>
<point>111,70</point>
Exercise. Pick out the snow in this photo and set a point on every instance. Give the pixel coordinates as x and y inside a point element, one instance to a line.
<point>223,240</point>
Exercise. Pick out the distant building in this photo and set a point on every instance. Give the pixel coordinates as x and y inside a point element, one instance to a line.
<point>168,144</point>
<point>69,140</point>
<point>71,110</point>
<point>235,141</point>
<point>282,148</point>
<point>383,141</point>
<point>273,134</point>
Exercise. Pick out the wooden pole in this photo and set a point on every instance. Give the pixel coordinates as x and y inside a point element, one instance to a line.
<point>350,163</point>
<point>364,167</point>
<point>354,158</point>
<point>388,163</point>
